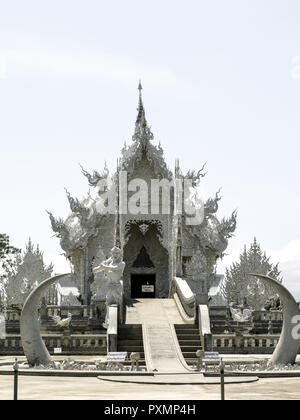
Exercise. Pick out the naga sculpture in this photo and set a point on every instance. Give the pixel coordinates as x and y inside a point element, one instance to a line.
<point>288,346</point>
<point>240,314</point>
<point>213,234</point>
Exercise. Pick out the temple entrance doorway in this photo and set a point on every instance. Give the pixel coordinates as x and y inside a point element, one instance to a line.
<point>142,286</point>
<point>146,260</point>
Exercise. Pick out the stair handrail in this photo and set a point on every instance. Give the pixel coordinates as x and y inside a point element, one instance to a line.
<point>115,317</point>
<point>204,328</point>
<point>185,299</point>
<point>112,328</point>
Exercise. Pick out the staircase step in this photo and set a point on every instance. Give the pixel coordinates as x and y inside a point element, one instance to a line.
<point>122,342</point>
<point>130,339</point>
<point>189,343</point>
<point>183,337</point>
<point>190,354</point>
<point>190,329</point>
<point>185,326</point>
<point>190,349</point>
<point>191,362</point>
<point>130,349</point>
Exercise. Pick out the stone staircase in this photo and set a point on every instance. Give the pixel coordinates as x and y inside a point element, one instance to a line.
<point>130,339</point>
<point>189,340</point>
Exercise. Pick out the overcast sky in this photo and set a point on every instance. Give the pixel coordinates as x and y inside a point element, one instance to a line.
<point>221,84</point>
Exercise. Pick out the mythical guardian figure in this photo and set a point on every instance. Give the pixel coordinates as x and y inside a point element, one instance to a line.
<point>113,268</point>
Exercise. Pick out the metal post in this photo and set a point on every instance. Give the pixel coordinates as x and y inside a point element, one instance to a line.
<point>16,371</point>
<point>200,356</point>
<point>135,357</point>
<point>222,366</point>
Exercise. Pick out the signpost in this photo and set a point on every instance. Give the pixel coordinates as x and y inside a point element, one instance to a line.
<point>211,357</point>
<point>117,358</point>
<point>222,367</point>
<point>16,371</point>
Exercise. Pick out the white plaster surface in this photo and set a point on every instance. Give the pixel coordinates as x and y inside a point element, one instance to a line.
<point>160,349</point>
<point>153,311</point>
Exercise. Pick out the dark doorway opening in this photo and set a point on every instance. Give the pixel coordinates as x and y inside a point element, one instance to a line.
<point>142,286</point>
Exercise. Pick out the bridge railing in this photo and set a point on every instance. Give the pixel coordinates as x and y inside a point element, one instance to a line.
<point>112,329</point>
<point>184,298</point>
<point>204,328</point>
<point>192,313</point>
<point>116,318</point>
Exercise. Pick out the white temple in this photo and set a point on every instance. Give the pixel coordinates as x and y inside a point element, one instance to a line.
<point>157,245</point>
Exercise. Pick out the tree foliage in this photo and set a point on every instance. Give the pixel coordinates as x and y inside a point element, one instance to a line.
<point>8,253</point>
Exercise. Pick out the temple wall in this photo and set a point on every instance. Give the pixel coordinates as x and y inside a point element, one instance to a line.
<point>97,249</point>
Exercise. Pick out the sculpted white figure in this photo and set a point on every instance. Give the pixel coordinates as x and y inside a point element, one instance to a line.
<point>113,268</point>
<point>240,314</point>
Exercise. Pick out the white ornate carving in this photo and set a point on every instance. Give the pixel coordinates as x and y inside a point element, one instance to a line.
<point>141,223</point>
<point>196,265</point>
<point>30,270</point>
<point>144,228</point>
<point>62,322</point>
<point>113,269</point>
<point>212,234</point>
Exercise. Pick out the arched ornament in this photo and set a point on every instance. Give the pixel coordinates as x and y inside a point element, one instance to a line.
<point>288,345</point>
<point>33,345</point>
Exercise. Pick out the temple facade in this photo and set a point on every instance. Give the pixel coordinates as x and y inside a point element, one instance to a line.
<point>154,214</point>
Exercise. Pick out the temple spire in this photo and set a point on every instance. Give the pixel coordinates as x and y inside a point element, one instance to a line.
<point>141,111</point>
<point>140,87</point>
<point>142,132</point>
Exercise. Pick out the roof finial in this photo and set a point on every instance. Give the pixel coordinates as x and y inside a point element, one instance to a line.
<point>140,87</point>
<point>141,111</point>
<point>142,132</point>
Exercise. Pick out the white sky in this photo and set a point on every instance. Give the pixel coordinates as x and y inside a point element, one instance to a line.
<point>221,84</point>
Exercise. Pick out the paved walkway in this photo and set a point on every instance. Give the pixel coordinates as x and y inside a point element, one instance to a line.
<point>50,388</point>
<point>157,316</point>
<point>153,311</point>
<point>161,350</point>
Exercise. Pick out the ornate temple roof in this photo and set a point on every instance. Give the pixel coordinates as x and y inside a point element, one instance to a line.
<point>141,146</point>
<point>87,217</point>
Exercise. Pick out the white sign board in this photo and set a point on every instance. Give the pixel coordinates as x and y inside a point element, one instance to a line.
<point>211,356</point>
<point>117,356</point>
<point>147,288</point>
<point>57,350</point>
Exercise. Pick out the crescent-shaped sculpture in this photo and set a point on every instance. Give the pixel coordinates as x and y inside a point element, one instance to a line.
<point>33,345</point>
<point>288,346</point>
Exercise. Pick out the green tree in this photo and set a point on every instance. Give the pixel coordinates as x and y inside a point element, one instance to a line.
<point>7,254</point>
